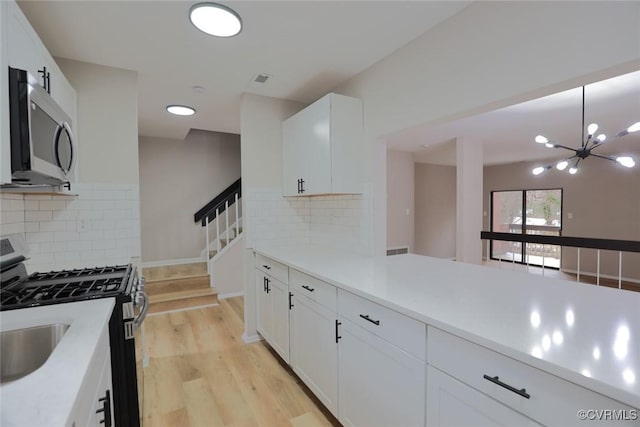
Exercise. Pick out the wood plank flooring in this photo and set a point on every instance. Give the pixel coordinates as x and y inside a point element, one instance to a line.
<point>201,373</point>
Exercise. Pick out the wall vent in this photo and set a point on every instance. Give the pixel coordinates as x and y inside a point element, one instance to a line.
<point>261,78</point>
<point>397,251</point>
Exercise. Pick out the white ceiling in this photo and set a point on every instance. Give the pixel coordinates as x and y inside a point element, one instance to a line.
<point>309,48</point>
<point>508,134</point>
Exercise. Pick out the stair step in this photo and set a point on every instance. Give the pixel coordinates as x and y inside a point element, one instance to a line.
<point>212,254</point>
<point>182,300</point>
<point>176,278</point>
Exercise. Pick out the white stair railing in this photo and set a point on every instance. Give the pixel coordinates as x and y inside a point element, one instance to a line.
<point>226,228</point>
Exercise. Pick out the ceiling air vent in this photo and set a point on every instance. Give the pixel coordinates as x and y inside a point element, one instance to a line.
<point>261,78</point>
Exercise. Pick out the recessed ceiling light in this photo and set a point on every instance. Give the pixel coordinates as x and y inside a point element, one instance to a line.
<point>181,110</point>
<point>215,19</point>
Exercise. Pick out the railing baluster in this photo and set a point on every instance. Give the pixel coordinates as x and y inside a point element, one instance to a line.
<point>207,239</point>
<point>598,269</point>
<point>218,228</point>
<point>619,269</point>
<point>542,260</point>
<point>578,276</point>
<point>226,217</point>
<point>235,234</point>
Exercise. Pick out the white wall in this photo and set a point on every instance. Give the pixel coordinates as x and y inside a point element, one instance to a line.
<point>435,201</point>
<point>400,200</point>
<point>107,128</point>
<point>177,178</point>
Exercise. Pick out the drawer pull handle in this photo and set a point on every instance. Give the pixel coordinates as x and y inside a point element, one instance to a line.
<point>266,266</point>
<point>308,288</point>
<point>496,380</point>
<point>369,319</point>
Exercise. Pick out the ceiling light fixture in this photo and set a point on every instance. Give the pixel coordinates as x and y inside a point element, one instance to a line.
<point>181,110</point>
<point>588,144</point>
<point>215,19</point>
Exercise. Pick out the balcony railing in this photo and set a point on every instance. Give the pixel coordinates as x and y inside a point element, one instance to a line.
<point>543,242</point>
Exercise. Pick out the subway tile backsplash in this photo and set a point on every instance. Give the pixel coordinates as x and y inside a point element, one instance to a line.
<point>100,226</point>
<point>340,221</point>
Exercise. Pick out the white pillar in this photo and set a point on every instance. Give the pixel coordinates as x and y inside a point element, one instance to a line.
<point>469,189</point>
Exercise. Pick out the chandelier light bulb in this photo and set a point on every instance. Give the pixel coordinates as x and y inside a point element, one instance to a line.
<point>542,140</point>
<point>634,127</point>
<point>602,137</point>
<point>562,165</point>
<point>538,170</point>
<point>548,145</point>
<point>592,128</point>
<point>573,170</point>
<point>627,162</point>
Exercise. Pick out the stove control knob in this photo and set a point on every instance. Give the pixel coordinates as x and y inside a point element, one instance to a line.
<point>138,299</point>
<point>141,283</point>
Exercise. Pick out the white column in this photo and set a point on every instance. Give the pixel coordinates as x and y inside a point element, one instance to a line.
<point>469,189</point>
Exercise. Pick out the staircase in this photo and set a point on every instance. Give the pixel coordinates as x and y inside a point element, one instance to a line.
<point>179,287</point>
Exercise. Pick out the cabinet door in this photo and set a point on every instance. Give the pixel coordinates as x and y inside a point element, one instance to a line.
<point>263,307</point>
<point>316,119</point>
<point>293,160</point>
<point>452,403</point>
<point>102,410</point>
<point>23,46</point>
<point>379,384</point>
<point>314,351</point>
<point>278,294</point>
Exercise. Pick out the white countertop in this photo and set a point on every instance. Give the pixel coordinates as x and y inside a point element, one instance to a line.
<point>585,334</point>
<point>46,396</point>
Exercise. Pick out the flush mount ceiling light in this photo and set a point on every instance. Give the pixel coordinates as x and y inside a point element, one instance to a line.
<point>215,19</point>
<point>586,148</point>
<point>181,110</point>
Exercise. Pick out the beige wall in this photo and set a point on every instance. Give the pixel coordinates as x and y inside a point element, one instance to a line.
<point>435,221</point>
<point>178,177</point>
<point>603,198</point>
<point>107,129</point>
<point>400,205</point>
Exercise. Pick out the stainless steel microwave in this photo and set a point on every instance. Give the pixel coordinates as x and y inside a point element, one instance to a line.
<point>42,145</point>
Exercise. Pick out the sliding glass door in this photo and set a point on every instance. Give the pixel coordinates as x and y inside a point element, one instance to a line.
<point>527,212</point>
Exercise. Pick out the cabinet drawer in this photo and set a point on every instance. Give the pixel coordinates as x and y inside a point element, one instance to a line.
<point>551,400</point>
<point>314,289</point>
<point>398,329</point>
<point>273,268</point>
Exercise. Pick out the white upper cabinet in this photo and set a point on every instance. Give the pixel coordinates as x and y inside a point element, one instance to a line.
<point>26,51</point>
<point>322,148</point>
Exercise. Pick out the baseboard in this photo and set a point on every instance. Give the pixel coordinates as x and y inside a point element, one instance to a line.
<point>604,276</point>
<point>172,262</point>
<point>249,339</point>
<point>231,295</point>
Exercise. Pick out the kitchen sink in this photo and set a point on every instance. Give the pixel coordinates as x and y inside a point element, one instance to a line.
<point>22,351</point>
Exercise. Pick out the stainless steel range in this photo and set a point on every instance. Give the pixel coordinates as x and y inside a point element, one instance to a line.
<point>20,290</point>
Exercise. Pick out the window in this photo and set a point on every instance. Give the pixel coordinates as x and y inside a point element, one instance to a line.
<point>527,212</point>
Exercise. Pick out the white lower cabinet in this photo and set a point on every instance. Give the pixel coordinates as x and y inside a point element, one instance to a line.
<point>314,349</point>
<point>452,403</point>
<point>272,310</point>
<point>379,384</point>
<point>94,404</point>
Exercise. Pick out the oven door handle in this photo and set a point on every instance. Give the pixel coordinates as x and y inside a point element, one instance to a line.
<point>137,322</point>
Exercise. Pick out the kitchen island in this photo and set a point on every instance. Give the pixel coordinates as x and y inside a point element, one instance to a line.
<point>564,346</point>
<point>61,392</point>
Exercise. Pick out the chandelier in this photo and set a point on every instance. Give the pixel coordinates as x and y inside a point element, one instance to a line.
<point>589,143</point>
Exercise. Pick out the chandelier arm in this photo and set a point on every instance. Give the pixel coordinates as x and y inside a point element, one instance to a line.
<point>565,147</point>
<point>608,140</point>
<point>603,157</point>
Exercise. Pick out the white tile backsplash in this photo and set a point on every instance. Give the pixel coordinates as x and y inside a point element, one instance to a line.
<point>340,221</point>
<point>99,226</point>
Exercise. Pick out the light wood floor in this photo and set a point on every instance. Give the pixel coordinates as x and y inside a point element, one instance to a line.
<point>167,272</point>
<point>202,374</point>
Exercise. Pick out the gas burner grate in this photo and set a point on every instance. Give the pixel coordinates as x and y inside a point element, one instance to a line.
<point>83,272</point>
